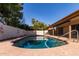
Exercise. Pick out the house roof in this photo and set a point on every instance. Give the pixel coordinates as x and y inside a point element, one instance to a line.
<point>65,19</point>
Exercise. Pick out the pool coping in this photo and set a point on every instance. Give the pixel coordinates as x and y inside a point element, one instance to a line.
<point>58,39</point>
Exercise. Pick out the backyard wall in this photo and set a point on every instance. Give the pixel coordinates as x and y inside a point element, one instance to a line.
<point>11,32</point>
<point>41,32</point>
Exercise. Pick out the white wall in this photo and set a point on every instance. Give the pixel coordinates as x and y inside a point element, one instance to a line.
<point>9,32</point>
<point>41,32</point>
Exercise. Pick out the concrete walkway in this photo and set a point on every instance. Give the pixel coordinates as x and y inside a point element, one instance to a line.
<point>70,49</point>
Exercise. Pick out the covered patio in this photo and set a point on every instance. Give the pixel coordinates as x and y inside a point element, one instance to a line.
<point>67,27</point>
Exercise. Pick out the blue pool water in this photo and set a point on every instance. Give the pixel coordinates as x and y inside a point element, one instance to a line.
<point>38,42</point>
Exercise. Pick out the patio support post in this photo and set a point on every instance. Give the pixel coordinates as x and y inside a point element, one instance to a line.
<point>70,32</point>
<point>53,31</point>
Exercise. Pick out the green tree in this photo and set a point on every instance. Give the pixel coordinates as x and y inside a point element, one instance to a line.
<point>11,13</point>
<point>25,26</point>
<point>37,25</point>
<point>33,21</point>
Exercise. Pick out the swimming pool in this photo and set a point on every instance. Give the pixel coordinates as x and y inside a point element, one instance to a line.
<point>38,42</point>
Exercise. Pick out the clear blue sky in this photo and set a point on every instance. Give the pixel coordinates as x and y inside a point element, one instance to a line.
<point>47,12</point>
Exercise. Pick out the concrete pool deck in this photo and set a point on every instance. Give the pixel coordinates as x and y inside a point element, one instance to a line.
<point>70,49</point>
